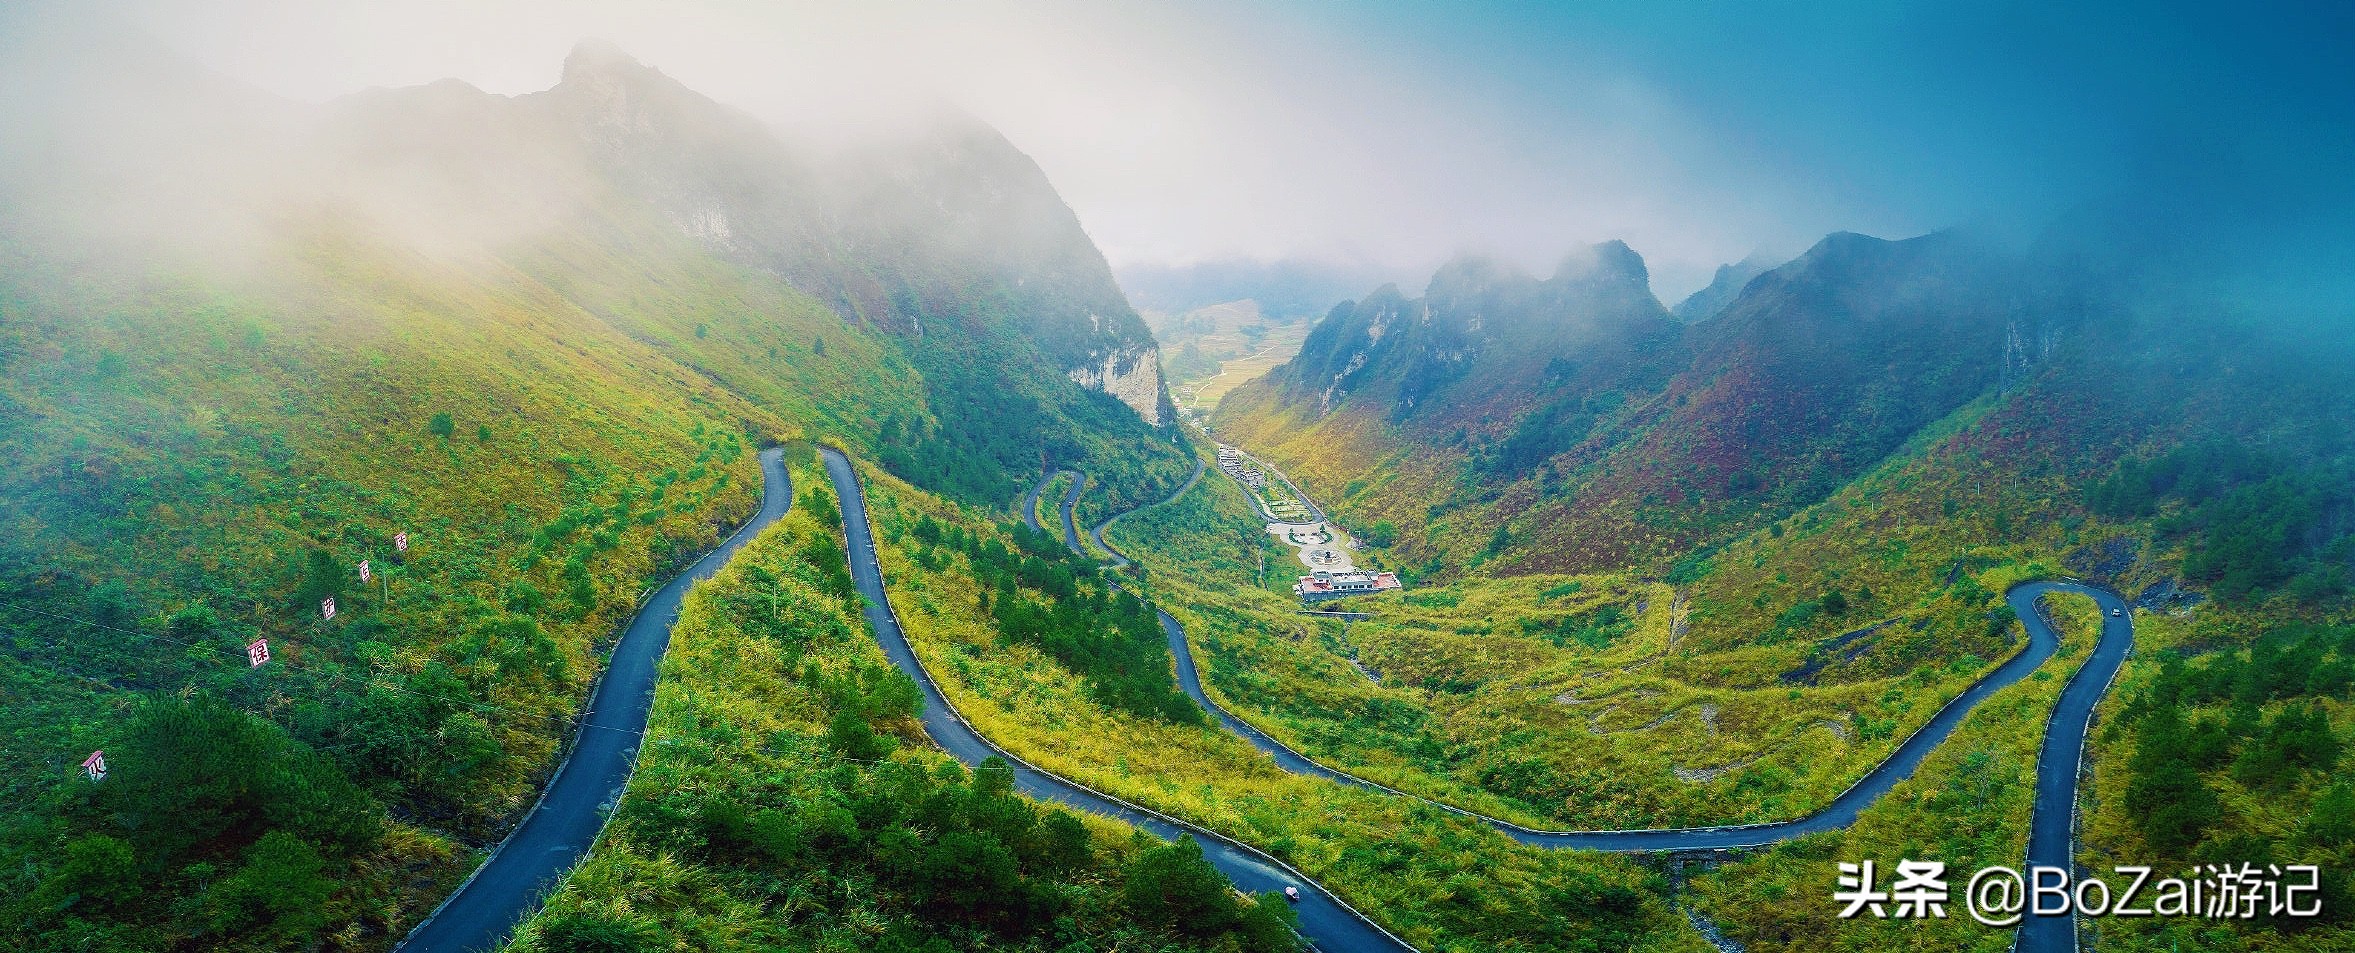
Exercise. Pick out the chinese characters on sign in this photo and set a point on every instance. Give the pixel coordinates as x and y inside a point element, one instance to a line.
<point>257,652</point>
<point>327,608</point>
<point>94,766</point>
<point>401,541</point>
<point>363,570</point>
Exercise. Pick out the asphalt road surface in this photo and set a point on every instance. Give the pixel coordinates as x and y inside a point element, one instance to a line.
<point>535,857</point>
<point>2052,831</point>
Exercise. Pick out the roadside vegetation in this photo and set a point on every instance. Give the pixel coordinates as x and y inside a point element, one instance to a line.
<point>1039,594</point>
<point>1855,617</point>
<point>1441,881</point>
<point>1968,806</point>
<point>982,433</point>
<point>787,798</point>
<point>197,460</point>
<point>1582,702</point>
<point>1049,512</point>
<point>2225,742</point>
<point>195,466</point>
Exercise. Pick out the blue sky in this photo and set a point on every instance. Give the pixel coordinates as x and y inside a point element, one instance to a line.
<point>1897,117</point>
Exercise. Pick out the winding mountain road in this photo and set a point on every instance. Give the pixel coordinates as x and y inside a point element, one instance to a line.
<point>2051,832</point>
<point>1325,919</point>
<point>1118,560</point>
<point>572,811</point>
<point>1079,485</point>
<point>560,829</point>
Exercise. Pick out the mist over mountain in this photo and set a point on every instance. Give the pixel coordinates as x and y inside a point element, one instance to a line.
<point>1728,282</point>
<point>421,387</point>
<point>1601,428</point>
<point>899,234</point>
<point>1284,289</point>
<point>1483,332</point>
<point>429,387</point>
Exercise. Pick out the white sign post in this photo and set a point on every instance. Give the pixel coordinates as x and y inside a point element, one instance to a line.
<point>257,652</point>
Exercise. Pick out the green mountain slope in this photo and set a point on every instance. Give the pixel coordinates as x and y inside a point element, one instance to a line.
<point>821,785</point>
<point>244,342</point>
<point>947,238</point>
<point>1830,487</point>
<point>1586,432</point>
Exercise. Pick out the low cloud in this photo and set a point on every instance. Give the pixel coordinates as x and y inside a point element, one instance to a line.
<point>1403,133</point>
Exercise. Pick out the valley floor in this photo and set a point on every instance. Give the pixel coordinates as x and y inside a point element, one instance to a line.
<point>2057,763</point>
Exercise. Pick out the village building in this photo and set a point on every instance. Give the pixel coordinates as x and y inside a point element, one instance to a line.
<point>1323,549</point>
<point>1320,586</point>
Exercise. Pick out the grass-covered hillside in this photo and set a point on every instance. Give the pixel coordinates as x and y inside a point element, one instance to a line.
<point>947,240</point>
<point>789,800</point>
<point>1043,658</point>
<point>244,342</point>
<point>193,466</point>
<point>1569,702</point>
<point>1968,805</point>
<point>1850,463</point>
<point>1573,425</point>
